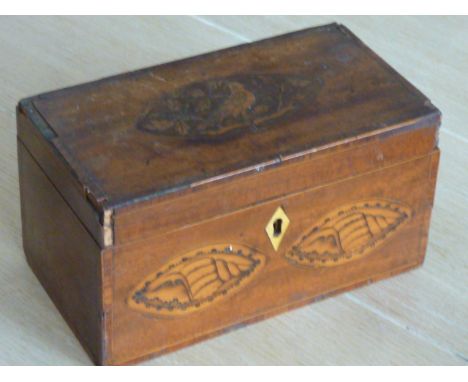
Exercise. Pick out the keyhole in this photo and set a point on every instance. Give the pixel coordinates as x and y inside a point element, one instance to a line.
<point>277,227</point>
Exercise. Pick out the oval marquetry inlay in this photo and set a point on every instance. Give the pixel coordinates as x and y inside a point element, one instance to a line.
<point>349,233</point>
<point>224,107</point>
<point>196,280</point>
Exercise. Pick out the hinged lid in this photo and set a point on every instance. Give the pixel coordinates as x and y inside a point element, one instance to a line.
<point>163,129</point>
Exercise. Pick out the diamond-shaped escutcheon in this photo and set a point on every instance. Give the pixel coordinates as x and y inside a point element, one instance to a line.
<point>276,227</point>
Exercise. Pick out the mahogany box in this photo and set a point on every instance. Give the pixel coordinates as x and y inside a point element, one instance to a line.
<point>171,204</point>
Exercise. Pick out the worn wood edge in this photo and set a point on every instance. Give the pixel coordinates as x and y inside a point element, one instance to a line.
<point>26,107</point>
<point>108,228</point>
<point>270,314</point>
<point>101,229</point>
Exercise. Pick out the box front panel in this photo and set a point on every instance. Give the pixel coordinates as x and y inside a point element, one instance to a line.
<point>195,282</point>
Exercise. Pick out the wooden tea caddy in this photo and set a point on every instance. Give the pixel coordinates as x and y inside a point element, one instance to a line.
<point>167,205</point>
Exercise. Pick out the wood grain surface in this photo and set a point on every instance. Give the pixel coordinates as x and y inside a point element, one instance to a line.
<point>416,318</point>
<point>169,128</point>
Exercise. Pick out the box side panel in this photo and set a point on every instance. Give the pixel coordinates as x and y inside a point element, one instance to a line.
<point>62,254</point>
<point>198,281</point>
<point>39,143</point>
<point>160,216</point>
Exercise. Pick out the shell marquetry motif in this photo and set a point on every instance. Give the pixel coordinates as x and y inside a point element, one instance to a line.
<point>228,106</point>
<point>349,233</point>
<point>196,280</point>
